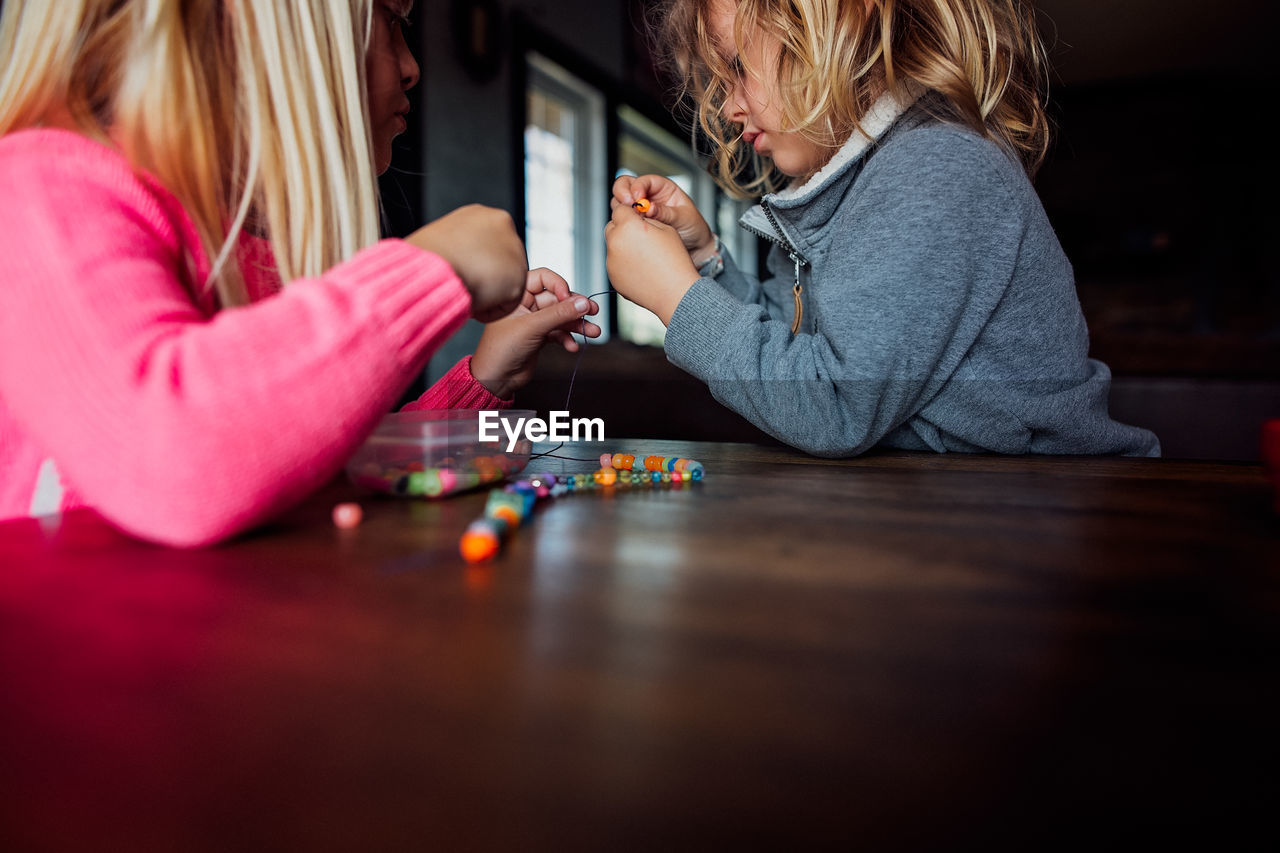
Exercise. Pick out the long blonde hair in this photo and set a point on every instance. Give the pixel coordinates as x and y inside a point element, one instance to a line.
<point>984,57</point>
<point>248,111</point>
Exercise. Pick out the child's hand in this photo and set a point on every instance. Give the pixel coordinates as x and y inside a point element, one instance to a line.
<point>482,246</point>
<point>508,348</point>
<point>647,262</point>
<point>670,206</point>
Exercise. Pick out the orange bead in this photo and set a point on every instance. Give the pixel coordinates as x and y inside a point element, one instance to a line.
<point>642,205</point>
<point>608,476</point>
<point>478,545</point>
<point>507,514</point>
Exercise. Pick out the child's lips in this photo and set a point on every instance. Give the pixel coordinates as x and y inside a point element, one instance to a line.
<point>753,139</point>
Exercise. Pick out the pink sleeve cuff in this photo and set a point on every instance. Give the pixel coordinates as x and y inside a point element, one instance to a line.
<point>458,389</point>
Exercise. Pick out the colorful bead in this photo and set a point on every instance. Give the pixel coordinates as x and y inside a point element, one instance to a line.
<point>480,542</point>
<point>676,477</point>
<point>642,205</point>
<point>512,506</point>
<point>448,479</point>
<point>606,460</point>
<point>608,476</point>
<point>347,515</point>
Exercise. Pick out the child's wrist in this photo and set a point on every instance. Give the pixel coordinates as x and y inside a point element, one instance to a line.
<point>670,300</point>
<point>709,262</point>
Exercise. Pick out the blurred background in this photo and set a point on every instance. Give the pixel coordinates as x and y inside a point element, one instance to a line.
<point>1160,186</point>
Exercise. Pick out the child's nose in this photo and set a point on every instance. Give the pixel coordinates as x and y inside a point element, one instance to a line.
<point>410,72</point>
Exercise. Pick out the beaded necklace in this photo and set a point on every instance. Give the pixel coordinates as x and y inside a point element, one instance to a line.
<point>507,507</point>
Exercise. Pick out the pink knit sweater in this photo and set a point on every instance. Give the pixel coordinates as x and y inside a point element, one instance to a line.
<point>122,388</point>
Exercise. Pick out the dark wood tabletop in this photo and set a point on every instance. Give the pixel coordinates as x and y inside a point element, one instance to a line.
<point>900,651</point>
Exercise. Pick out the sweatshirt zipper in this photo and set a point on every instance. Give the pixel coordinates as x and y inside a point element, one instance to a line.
<point>796,258</point>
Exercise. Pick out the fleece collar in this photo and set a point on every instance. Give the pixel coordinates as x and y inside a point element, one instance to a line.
<point>883,113</point>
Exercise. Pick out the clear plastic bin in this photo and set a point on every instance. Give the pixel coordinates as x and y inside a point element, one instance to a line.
<point>432,454</point>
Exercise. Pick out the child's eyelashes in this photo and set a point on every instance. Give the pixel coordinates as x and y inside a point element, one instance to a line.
<point>398,20</point>
<point>733,63</point>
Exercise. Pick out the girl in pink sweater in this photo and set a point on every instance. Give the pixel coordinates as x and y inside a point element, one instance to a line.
<point>200,323</point>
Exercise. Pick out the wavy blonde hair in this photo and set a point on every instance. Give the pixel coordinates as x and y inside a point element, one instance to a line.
<point>836,57</point>
<point>252,111</point>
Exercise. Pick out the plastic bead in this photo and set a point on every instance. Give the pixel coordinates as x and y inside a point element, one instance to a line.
<point>479,543</point>
<point>448,480</point>
<point>676,477</point>
<point>510,506</point>
<point>642,205</point>
<point>606,460</point>
<point>608,476</point>
<point>347,515</point>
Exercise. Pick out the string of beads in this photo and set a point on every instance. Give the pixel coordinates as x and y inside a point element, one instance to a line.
<point>507,507</point>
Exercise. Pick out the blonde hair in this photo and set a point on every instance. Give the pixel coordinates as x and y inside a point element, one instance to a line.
<point>836,57</point>
<point>248,111</point>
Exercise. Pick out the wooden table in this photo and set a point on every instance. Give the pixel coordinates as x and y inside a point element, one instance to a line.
<point>895,652</point>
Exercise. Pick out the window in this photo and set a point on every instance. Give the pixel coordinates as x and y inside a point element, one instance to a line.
<point>567,181</point>
<point>566,198</point>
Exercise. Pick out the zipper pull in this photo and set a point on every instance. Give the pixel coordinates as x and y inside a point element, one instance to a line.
<point>795,291</point>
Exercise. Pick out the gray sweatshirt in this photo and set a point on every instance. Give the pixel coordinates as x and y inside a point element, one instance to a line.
<point>939,310</point>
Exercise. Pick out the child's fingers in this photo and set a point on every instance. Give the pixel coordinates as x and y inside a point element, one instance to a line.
<point>543,280</point>
<point>543,300</point>
<point>623,189</point>
<point>628,190</point>
<point>564,339</point>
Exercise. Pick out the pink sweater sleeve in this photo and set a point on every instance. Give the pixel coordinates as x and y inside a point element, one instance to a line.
<point>180,427</point>
<point>458,389</point>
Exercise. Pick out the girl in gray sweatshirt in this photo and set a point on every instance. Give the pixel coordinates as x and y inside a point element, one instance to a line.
<point>917,296</point>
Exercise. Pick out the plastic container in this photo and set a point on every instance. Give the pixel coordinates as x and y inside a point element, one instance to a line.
<point>432,454</point>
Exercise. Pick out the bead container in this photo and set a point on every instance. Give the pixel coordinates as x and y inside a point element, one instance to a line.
<point>433,454</point>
